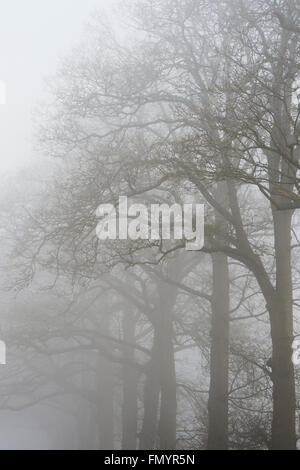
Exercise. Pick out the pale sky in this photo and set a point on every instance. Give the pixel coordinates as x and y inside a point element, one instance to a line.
<point>34,35</point>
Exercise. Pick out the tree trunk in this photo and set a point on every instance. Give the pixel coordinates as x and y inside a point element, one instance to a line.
<point>284,399</point>
<point>168,405</point>
<point>219,362</point>
<point>219,348</point>
<point>160,387</point>
<point>106,397</point>
<point>129,407</point>
<point>151,398</point>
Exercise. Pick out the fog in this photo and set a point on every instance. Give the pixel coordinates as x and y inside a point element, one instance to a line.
<point>149,225</point>
<point>34,37</point>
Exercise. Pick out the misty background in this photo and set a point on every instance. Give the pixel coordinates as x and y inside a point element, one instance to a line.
<point>34,37</point>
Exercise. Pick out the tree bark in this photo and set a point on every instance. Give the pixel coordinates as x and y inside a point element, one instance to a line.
<point>129,407</point>
<point>168,405</point>
<point>106,407</point>
<point>284,396</point>
<point>151,398</point>
<point>106,398</point>
<point>219,356</point>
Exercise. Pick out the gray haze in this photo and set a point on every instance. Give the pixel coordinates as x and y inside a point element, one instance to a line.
<point>34,36</point>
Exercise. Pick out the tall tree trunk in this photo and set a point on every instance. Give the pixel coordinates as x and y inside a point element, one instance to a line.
<point>160,386</point>
<point>284,399</point>
<point>168,404</point>
<point>151,398</point>
<point>219,347</point>
<point>106,397</point>
<point>280,306</point>
<point>106,406</point>
<point>129,407</point>
<point>282,176</point>
<point>219,362</point>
